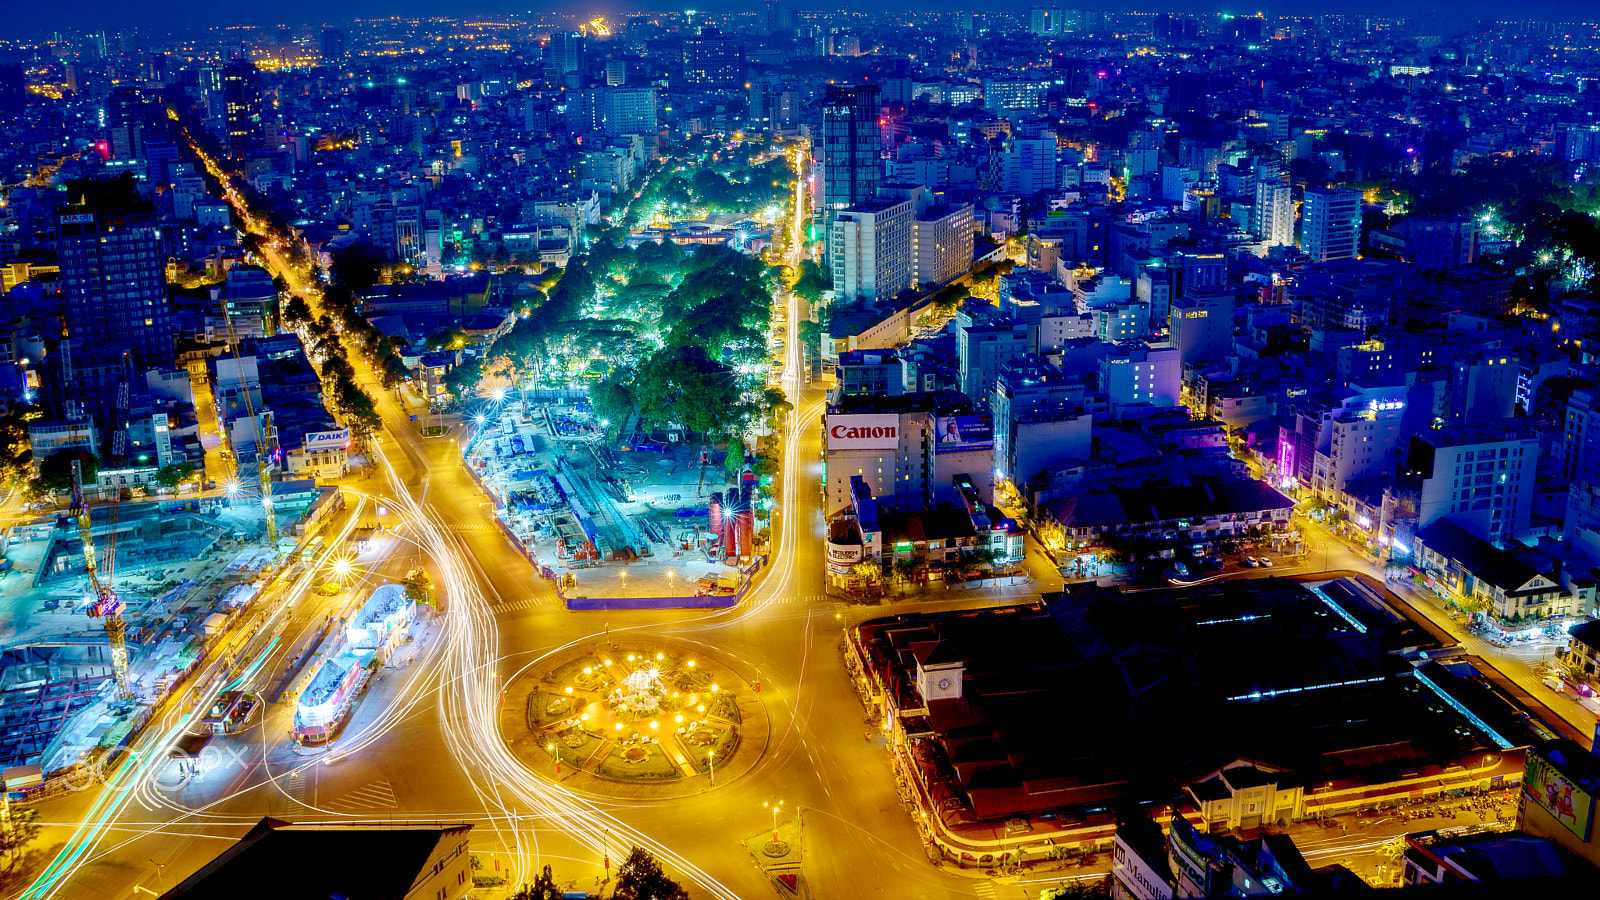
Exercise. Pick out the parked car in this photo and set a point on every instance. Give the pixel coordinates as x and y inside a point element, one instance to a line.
<point>1263,562</point>
<point>1250,561</point>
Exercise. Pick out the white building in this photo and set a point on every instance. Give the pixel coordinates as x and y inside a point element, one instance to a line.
<point>871,250</point>
<point>941,245</point>
<point>628,110</point>
<point>1272,217</point>
<point>1481,478</point>
<point>1137,374</point>
<point>902,448</point>
<point>1331,224</point>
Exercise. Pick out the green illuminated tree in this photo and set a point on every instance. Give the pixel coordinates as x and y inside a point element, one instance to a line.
<point>640,877</point>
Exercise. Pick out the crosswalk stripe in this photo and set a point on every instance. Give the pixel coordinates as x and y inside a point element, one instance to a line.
<point>518,605</point>
<point>378,795</point>
<point>985,890</point>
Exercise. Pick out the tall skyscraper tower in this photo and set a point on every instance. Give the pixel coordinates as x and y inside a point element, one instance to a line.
<point>1272,218</point>
<point>114,283</point>
<point>241,90</point>
<point>1330,226</point>
<point>566,52</point>
<point>333,49</point>
<point>852,164</point>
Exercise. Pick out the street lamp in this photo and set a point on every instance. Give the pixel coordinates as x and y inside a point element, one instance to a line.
<point>774,806</point>
<point>711,766</point>
<point>555,756</point>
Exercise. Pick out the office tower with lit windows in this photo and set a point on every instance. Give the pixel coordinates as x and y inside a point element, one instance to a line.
<point>566,52</point>
<point>712,59</point>
<point>628,110</point>
<point>850,153</point>
<point>1272,216</point>
<point>241,91</point>
<point>113,282</point>
<point>1330,224</point>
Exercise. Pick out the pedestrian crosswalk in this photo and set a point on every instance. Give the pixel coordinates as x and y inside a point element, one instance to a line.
<point>377,795</point>
<point>518,605</point>
<point>984,890</point>
<point>295,787</point>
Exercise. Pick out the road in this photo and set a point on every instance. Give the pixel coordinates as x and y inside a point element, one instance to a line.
<point>425,743</point>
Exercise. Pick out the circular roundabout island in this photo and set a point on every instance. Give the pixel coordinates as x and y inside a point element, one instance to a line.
<point>634,719</point>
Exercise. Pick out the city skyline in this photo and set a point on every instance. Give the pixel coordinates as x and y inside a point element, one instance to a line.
<point>756,452</point>
<point>93,14</point>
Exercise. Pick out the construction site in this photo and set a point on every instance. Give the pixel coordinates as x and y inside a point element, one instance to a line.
<point>639,518</point>
<point>106,610</point>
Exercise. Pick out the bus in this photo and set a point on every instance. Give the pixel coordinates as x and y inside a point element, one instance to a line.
<point>228,712</point>
<point>313,547</point>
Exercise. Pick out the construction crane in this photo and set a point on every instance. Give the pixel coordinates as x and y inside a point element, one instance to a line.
<point>263,453</point>
<point>106,604</point>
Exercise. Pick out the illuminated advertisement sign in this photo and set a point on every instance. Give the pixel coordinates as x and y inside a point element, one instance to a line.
<point>1190,856</point>
<point>863,432</point>
<point>958,434</point>
<point>1557,795</point>
<point>327,440</point>
<point>1137,876</point>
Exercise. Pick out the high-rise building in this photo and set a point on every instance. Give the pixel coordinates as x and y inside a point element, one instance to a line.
<point>1044,20</point>
<point>713,59</point>
<point>127,116</point>
<point>1201,327</point>
<point>870,250</point>
<point>850,153</point>
<point>941,244</point>
<point>1008,96</point>
<point>1272,217</point>
<point>13,90</point>
<point>241,89</point>
<point>628,110</point>
<point>1482,478</point>
<point>113,280</point>
<point>1023,164</point>
<point>1331,224</point>
<point>1186,94</point>
<point>333,49</point>
<point>616,72</point>
<point>566,52</point>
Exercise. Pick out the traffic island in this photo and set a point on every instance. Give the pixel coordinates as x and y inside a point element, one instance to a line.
<point>635,720</point>
<point>779,853</point>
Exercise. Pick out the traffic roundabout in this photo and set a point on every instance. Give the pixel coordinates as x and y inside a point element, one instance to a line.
<point>635,720</point>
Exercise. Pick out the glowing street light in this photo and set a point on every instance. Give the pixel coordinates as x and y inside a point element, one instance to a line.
<point>774,806</point>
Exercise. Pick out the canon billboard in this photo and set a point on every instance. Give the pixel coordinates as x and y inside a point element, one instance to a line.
<point>862,432</point>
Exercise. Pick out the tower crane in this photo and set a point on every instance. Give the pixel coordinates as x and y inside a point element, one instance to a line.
<point>106,604</point>
<point>263,453</point>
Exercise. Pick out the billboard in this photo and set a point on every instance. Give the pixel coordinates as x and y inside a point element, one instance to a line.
<point>327,440</point>
<point>1136,876</point>
<point>959,434</point>
<point>1557,795</point>
<point>862,432</point>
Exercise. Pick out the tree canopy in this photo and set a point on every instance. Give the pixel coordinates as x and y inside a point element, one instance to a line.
<point>640,877</point>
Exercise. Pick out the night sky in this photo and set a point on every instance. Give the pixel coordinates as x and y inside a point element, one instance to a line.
<point>162,15</point>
